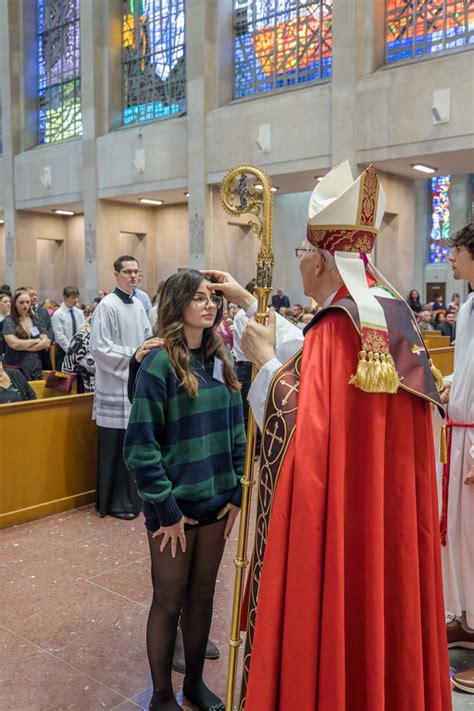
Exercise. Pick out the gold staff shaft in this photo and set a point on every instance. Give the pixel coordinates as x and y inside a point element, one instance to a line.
<point>260,208</point>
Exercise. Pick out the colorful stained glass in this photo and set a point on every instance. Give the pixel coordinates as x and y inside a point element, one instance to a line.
<point>417,27</point>
<point>280,43</point>
<point>59,70</point>
<point>154,59</point>
<point>439,248</point>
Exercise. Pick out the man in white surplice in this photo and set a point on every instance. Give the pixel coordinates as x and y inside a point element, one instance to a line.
<point>458,553</point>
<point>119,326</point>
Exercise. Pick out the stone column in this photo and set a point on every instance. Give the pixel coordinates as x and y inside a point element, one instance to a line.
<point>201,23</point>
<point>94,39</point>
<point>10,64</point>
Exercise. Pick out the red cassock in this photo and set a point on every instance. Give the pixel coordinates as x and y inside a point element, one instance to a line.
<point>350,613</point>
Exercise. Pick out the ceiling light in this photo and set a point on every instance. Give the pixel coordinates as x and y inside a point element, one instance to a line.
<point>149,201</point>
<point>424,168</point>
<point>186,195</point>
<point>2,222</point>
<point>259,187</point>
<point>64,212</point>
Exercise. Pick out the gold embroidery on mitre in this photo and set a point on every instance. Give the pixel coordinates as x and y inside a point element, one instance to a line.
<point>368,193</point>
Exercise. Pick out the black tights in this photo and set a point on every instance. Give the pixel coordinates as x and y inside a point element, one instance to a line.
<point>184,586</point>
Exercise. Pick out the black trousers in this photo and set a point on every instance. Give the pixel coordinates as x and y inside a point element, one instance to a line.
<point>116,490</point>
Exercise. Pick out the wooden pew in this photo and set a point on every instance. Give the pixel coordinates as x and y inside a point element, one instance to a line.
<point>41,391</point>
<point>48,451</point>
<point>443,359</point>
<point>440,341</point>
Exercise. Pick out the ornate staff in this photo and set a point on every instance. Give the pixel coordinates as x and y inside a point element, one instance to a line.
<point>258,203</point>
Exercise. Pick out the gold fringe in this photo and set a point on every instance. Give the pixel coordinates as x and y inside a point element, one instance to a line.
<point>376,373</point>
<point>436,373</point>
<point>443,446</point>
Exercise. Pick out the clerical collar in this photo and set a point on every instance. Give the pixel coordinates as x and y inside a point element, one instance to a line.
<point>123,296</point>
<point>329,300</point>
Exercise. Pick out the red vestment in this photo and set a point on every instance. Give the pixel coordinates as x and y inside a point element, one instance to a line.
<point>350,613</point>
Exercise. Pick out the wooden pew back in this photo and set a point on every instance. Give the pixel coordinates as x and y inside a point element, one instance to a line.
<point>48,451</point>
<point>443,359</point>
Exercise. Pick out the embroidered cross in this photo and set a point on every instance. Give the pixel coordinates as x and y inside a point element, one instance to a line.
<point>291,389</point>
<point>273,435</point>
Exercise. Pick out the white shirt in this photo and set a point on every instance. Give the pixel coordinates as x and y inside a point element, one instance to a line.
<point>119,326</point>
<point>61,322</point>
<point>144,298</point>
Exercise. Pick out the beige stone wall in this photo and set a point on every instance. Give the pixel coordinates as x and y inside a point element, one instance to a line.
<point>367,111</point>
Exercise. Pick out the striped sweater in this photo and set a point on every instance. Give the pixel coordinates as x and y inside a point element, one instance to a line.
<point>187,454</point>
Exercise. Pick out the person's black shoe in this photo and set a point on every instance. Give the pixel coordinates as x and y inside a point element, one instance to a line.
<point>124,515</point>
<point>179,663</point>
<point>212,651</point>
<point>202,696</point>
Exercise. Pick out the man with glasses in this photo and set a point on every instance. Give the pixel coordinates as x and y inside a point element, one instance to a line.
<point>119,326</point>
<point>345,606</point>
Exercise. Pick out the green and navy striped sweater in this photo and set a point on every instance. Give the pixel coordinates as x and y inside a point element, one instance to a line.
<point>187,454</point>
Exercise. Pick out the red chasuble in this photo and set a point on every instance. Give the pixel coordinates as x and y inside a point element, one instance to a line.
<point>348,614</point>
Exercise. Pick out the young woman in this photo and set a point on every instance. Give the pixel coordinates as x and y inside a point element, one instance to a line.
<point>185,445</point>
<point>414,301</point>
<point>25,337</point>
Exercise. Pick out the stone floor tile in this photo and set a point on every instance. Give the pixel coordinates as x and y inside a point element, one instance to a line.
<point>131,580</point>
<point>31,679</point>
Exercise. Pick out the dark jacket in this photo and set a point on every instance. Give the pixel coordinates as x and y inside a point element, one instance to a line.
<point>21,383</point>
<point>280,301</point>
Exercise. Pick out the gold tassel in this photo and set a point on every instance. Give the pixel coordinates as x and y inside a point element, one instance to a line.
<point>443,446</point>
<point>437,375</point>
<point>376,373</point>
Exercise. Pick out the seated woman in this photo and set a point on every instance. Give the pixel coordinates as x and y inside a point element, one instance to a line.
<point>78,359</point>
<point>185,445</point>
<point>14,386</point>
<point>25,337</point>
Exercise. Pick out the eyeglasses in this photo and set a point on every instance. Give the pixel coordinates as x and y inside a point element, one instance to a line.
<point>300,252</point>
<point>202,301</point>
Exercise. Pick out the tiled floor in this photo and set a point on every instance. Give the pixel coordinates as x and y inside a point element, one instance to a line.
<point>74,601</point>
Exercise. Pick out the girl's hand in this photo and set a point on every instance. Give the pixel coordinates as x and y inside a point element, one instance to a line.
<point>146,347</point>
<point>174,534</point>
<point>231,511</point>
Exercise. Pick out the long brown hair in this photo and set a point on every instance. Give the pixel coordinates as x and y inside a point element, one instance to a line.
<point>176,295</point>
<point>20,332</point>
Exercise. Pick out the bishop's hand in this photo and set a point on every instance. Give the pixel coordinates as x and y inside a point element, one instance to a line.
<point>232,290</point>
<point>258,341</point>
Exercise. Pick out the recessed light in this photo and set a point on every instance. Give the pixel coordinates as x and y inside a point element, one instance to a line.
<point>186,194</point>
<point>64,212</point>
<point>149,201</point>
<point>259,187</point>
<point>2,222</point>
<point>423,168</point>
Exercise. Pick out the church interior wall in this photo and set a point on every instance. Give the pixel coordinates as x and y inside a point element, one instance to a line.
<point>75,257</point>
<point>368,111</point>
<point>232,245</point>
<point>3,275</point>
<point>49,175</point>
<point>300,131</point>
<point>394,108</point>
<point>140,157</point>
<point>397,241</point>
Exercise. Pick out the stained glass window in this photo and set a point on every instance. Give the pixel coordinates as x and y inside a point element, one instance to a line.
<point>417,27</point>
<point>280,43</point>
<point>439,249</point>
<point>154,59</point>
<point>59,70</point>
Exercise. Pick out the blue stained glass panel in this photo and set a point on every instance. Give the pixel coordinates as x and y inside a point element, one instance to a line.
<point>59,72</point>
<point>153,59</point>
<point>439,249</point>
<point>280,43</point>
